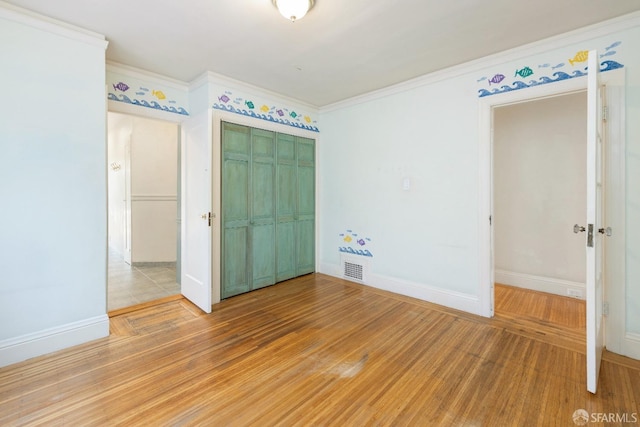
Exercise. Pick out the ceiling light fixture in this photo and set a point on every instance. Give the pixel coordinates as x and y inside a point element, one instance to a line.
<point>293,9</point>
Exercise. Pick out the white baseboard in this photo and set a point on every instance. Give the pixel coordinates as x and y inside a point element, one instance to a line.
<point>14,350</point>
<point>631,345</point>
<point>550,285</point>
<point>451,299</point>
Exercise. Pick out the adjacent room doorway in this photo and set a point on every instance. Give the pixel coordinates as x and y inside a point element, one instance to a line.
<point>143,210</point>
<point>612,91</point>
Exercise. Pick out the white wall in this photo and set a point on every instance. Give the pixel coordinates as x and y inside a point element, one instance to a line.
<point>427,237</point>
<point>154,187</point>
<point>539,171</point>
<point>52,186</point>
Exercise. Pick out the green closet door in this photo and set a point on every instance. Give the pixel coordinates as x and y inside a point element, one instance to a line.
<point>305,242</point>
<point>268,208</point>
<point>262,232</point>
<point>286,208</point>
<point>236,153</point>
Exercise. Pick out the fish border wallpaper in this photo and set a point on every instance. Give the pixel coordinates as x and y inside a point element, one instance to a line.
<point>130,90</point>
<point>546,73</point>
<point>349,238</point>
<point>267,111</point>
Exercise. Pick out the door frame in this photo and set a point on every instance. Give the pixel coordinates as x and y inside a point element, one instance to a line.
<point>220,116</point>
<point>615,160</point>
<point>147,113</point>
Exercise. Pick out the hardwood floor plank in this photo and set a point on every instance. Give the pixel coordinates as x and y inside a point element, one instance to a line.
<point>322,351</point>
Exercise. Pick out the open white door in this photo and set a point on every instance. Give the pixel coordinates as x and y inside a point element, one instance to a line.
<point>196,211</point>
<point>594,226</point>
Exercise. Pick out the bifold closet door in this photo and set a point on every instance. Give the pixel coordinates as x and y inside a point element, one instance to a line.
<point>286,208</point>
<point>305,222</point>
<point>236,155</point>
<point>262,230</point>
<point>268,208</point>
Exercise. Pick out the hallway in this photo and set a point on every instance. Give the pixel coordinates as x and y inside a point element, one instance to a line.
<point>130,285</point>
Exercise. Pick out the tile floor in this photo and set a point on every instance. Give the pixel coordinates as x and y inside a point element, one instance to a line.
<point>130,285</point>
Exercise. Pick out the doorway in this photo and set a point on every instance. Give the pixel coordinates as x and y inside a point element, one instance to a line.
<point>614,199</point>
<point>539,182</point>
<point>143,210</point>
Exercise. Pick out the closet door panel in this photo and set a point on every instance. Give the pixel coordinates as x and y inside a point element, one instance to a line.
<point>305,245</point>
<point>263,196</point>
<point>286,251</point>
<point>286,208</point>
<point>235,210</point>
<point>236,280</point>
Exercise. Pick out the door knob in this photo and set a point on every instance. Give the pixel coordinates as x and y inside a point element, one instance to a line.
<point>606,231</point>
<point>578,229</point>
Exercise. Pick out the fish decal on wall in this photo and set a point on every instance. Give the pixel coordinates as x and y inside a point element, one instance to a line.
<point>228,101</point>
<point>121,86</point>
<point>349,238</point>
<point>496,79</point>
<point>131,90</point>
<point>546,72</point>
<point>581,56</point>
<point>614,45</point>
<point>525,72</point>
<point>158,94</point>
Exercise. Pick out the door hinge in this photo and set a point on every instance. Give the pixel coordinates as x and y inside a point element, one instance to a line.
<point>209,219</point>
<point>605,113</point>
<point>490,220</point>
<point>605,308</point>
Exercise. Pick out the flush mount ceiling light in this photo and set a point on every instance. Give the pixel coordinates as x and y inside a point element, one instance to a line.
<point>293,9</point>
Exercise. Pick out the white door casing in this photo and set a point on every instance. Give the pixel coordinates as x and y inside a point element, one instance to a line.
<point>127,201</point>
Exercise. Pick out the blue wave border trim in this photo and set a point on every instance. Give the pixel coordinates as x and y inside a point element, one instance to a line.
<point>350,250</point>
<point>152,104</point>
<point>268,118</point>
<point>557,76</point>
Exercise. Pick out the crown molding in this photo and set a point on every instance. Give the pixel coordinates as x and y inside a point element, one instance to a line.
<point>50,25</point>
<point>601,29</point>
<point>210,77</point>
<point>144,75</point>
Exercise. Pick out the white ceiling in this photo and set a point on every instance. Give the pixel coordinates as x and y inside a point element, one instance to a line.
<point>341,49</point>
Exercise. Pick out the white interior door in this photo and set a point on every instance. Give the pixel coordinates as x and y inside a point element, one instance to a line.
<point>196,211</point>
<point>594,226</point>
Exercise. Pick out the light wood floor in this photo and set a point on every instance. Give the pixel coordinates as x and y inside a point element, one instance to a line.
<point>321,351</point>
